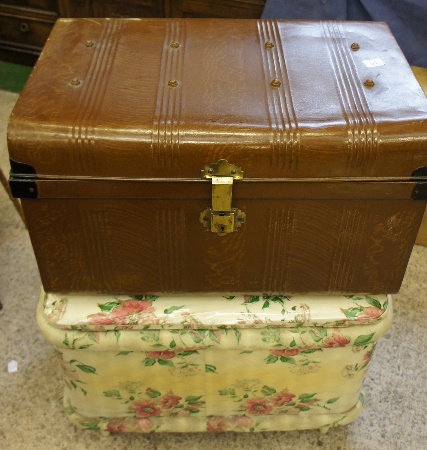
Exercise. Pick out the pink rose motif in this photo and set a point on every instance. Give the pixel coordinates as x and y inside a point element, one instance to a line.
<point>194,407</point>
<point>242,422</point>
<point>161,355</point>
<point>126,424</point>
<point>336,340</point>
<point>145,408</point>
<point>288,353</point>
<point>129,312</point>
<point>130,309</point>
<point>219,424</point>
<point>282,398</point>
<point>370,313</point>
<point>100,319</point>
<point>257,406</point>
<point>368,356</point>
<point>169,401</point>
<point>216,424</point>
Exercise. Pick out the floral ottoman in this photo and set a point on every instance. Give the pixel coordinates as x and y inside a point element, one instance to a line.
<point>188,363</point>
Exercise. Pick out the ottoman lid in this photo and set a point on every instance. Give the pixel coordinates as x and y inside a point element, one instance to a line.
<point>210,311</point>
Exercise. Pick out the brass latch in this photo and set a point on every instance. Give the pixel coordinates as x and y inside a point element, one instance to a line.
<point>222,218</point>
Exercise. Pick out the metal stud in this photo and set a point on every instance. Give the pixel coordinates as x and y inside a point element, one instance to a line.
<point>75,82</point>
<point>355,46</point>
<point>269,44</point>
<point>173,83</point>
<point>89,43</point>
<point>369,83</point>
<point>275,83</point>
<point>174,44</point>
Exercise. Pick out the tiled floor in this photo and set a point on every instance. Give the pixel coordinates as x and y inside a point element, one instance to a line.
<point>31,415</point>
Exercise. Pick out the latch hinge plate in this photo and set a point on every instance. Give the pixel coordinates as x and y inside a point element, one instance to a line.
<point>222,218</point>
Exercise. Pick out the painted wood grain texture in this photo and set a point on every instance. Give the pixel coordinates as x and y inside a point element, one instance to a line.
<point>143,245</point>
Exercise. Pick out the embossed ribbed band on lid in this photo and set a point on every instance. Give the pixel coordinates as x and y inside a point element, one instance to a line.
<point>281,113</point>
<point>81,134</point>
<point>361,125</point>
<point>166,124</point>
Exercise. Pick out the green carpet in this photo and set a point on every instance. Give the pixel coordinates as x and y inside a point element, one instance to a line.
<point>13,76</point>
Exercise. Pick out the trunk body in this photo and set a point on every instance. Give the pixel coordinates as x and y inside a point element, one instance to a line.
<point>121,138</point>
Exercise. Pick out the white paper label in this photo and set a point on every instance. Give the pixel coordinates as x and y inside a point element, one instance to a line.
<point>374,62</point>
<point>12,366</point>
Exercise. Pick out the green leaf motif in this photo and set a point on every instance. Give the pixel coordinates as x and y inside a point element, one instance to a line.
<point>193,399</point>
<point>172,343</point>
<point>271,359</point>
<point>238,335</point>
<point>284,359</point>
<point>90,426</point>
<point>306,397</point>
<point>213,336</point>
<point>322,331</point>
<point>196,337</point>
<point>82,347</point>
<point>123,353</point>
<point>172,309</point>
<point>352,313</point>
<point>152,393</point>
<point>109,306</point>
<point>314,336</point>
<point>332,400</point>
<point>253,299</point>
<point>112,393</point>
<point>165,362</point>
<point>266,304</point>
<point>363,339</point>
<point>373,302</point>
<point>149,362</point>
<point>266,390</point>
<point>65,341</point>
<point>117,334</point>
<point>293,343</point>
<point>69,410</point>
<point>227,392</point>
<point>277,300</point>
<point>187,353</point>
<point>210,369</point>
<point>92,337</point>
<point>86,369</point>
<point>229,297</point>
<point>311,350</point>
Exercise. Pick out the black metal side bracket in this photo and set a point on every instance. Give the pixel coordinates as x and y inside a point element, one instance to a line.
<point>419,176</point>
<point>22,180</point>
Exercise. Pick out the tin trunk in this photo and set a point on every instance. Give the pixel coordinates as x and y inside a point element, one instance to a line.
<point>215,155</point>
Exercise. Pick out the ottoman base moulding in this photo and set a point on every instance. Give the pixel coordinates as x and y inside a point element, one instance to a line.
<point>196,363</point>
